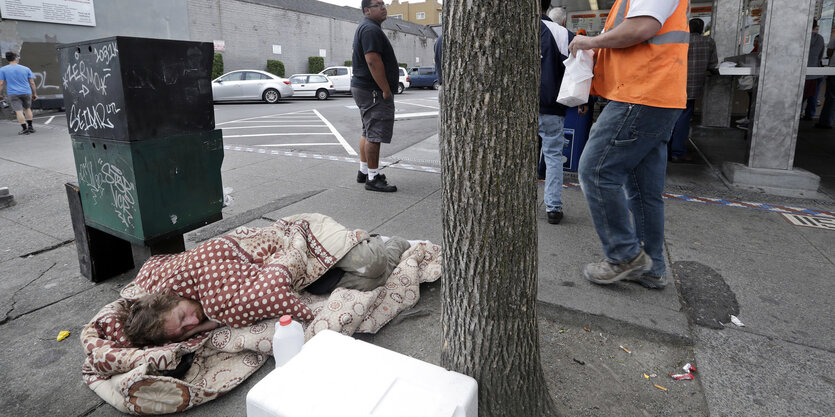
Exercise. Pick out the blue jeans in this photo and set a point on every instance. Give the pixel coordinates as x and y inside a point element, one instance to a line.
<point>681,132</point>
<point>622,170</point>
<point>553,141</point>
<point>828,112</point>
<point>812,102</point>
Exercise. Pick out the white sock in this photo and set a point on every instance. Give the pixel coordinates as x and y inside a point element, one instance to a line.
<point>364,167</point>
<point>372,173</point>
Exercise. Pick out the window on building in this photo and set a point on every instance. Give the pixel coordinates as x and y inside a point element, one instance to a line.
<point>397,16</point>
<point>420,15</point>
<point>440,18</point>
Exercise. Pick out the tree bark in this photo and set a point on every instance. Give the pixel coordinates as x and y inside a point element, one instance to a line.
<point>489,111</point>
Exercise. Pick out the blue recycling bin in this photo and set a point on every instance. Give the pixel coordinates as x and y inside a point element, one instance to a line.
<point>576,132</point>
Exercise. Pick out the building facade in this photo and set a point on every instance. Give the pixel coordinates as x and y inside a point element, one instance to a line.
<point>425,13</point>
<point>246,32</point>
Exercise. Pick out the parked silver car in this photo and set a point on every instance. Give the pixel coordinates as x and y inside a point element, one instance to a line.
<point>250,85</point>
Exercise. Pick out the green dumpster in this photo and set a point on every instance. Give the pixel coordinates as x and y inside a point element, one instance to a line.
<point>152,189</point>
<point>141,120</point>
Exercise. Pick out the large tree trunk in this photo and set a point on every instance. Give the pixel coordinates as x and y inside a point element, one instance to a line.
<point>489,110</point>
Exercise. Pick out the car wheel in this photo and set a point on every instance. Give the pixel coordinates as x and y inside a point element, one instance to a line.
<point>322,94</point>
<point>400,88</point>
<point>272,95</point>
<point>435,85</point>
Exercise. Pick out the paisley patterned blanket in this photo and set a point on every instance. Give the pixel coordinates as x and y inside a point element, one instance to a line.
<point>270,267</point>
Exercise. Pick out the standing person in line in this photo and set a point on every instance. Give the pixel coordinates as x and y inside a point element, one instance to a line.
<point>810,90</point>
<point>641,69</point>
<point>701,58</point>
<point>439,54</point>
<point>20,88</point>
<point>376,75</point>
<point>827,118</point>
<point>553,40</point>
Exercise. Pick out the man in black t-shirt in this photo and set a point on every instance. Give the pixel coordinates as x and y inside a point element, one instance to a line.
<point>375,76</point>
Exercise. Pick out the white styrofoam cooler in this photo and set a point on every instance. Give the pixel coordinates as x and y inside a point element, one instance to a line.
<point>337,375</point>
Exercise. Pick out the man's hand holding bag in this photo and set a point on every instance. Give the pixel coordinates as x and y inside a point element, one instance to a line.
<point>576,82</point>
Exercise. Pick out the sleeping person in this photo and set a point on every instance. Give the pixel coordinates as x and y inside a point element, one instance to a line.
<point>217,284</point>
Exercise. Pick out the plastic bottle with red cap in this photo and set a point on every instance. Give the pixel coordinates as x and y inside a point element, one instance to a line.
<point>288,340</point>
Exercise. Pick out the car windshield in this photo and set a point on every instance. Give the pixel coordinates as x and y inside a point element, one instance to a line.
<point>318,79</point>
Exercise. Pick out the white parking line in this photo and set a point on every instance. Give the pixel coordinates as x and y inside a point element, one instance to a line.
<point>300,144</point>
<point>415,104</point>
<point>50,120</point>
<point>263,126</point>
<point>408,116</point>
<point>276,134</point>
<point>315,119</point>
<point>335,132</point>
<point>261,117</point>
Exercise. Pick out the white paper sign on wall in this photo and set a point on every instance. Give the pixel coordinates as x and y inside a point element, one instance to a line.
<point>67,12</point>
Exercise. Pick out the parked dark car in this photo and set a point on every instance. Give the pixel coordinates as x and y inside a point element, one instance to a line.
<point>423,77</point>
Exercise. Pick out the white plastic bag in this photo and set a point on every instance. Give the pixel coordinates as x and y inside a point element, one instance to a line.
<point>576,82</point>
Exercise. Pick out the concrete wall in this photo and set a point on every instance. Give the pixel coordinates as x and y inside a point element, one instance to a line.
<point>250,30</point>
<point>164,19</point>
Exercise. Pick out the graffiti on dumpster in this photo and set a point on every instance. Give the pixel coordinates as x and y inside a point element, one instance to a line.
<point>92,117</point>
<point>99,177</point>
<point>86,78</point>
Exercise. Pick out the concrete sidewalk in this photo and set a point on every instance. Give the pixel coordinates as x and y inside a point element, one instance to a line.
<point>776,277</point>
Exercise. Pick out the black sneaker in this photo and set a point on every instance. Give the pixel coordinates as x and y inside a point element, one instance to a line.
<point>554,217</point>
<point>23,132</point>
<point>379,184</point>
<point>648,281</point>
<point>362,178</point>
<point>31,129</point>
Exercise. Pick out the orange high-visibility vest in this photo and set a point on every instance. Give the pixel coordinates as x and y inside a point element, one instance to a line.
<point>653,72</point>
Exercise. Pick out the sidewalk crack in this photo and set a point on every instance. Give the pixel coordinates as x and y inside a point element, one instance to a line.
<point>6,317</point>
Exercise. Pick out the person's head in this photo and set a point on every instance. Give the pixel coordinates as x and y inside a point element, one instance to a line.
<point>375,10</point>
<point>757,41</point>
<point>157,319</point>
<point>557,14</point>
<point>815,26</point>
<point>11,56</point>
<point>697,26</point>
<point>546,4</point>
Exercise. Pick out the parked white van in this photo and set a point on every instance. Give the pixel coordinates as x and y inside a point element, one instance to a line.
<point>341,78</point>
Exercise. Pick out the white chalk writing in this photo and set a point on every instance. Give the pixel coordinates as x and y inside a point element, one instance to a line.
<point>93,117</point>
<point>106,53</point>
<point>86,74</point>
<point>40,81</point>
<point>94,176</point>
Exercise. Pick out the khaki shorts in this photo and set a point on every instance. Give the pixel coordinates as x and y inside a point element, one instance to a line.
<point>20,102</point>
<point>377,114</point>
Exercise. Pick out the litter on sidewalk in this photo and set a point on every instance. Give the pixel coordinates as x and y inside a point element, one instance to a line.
<point>688,375</point>
<point>62,335</point>
<point>736,321</point>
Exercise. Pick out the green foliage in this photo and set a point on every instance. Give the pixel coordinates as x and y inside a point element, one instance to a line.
<point>217,66</point>
<point>349,63</point>
<point>315,64</point>
<point>275,67</point>
<point>403,64</point>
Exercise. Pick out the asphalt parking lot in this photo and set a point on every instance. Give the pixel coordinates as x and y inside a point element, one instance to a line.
<point>330,127</point>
